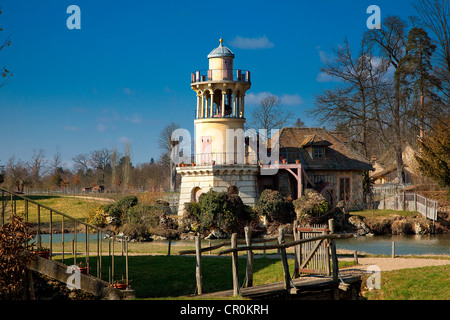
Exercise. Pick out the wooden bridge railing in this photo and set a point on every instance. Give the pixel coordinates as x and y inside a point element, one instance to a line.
<point>64,219</point>
<point>281,245</point>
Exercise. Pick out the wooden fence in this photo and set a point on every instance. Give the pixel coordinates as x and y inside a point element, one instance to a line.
<point>314,247</point>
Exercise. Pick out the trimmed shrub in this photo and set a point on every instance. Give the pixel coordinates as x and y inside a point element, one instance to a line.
<point>275,207</point>
<point>217,210</point>
<point>127,202</point>
<point>98,216</point>
<point>312,203</point>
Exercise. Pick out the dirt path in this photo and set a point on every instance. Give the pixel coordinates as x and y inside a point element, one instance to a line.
<point>389,264</point>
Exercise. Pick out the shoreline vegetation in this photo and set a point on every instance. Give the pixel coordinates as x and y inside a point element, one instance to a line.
<point>154,253</point>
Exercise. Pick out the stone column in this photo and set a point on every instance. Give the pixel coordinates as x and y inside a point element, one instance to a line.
<point>211,104</point>
<point>223,103</point>
<point>198,106</point>
<point>235,111</point>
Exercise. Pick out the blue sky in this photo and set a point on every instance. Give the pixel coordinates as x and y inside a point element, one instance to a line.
<point>125,74</point>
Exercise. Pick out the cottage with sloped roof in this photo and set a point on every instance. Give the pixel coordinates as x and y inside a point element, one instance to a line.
<point>317,159</point>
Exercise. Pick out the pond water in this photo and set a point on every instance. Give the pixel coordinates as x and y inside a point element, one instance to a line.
<point>404,245</point>
<point>68,237</point>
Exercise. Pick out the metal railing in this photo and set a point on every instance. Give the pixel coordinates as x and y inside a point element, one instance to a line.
<point>220,75</point>
<point>222,158</point>
<point>55,217</point>
<point>406,201</point>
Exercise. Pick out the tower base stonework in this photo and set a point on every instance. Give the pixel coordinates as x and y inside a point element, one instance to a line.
<point>196,180</point>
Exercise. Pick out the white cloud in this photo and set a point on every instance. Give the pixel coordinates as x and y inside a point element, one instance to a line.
<point>291,99</point>
<point>134,119</point>
<point>127,91</point>
<point>286,99</point>
<point>251,43</point>
<point>124,140</point>
<point>255,98</point>
<point>325,77</point>
<point>325,57</point>
<point>71,128</point>
<point>101,127</point>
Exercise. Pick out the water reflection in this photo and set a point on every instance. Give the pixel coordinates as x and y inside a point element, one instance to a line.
<point>404,245</point>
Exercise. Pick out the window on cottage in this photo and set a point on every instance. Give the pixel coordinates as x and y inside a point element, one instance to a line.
<point>318,152</point>
<point>344,189</point>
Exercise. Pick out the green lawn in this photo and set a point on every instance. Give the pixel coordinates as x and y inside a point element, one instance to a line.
<point>72,206</point>
<point>426,283</point>
<point>384,213</point>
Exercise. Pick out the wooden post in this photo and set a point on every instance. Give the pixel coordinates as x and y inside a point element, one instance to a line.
<point>393,249</point>
<point>415,201</point>
<point>198,265</point>
<point>435,214</point>
<point>296,251</point>
<point>355,255</point>
<point>249,270</point>
<point>234,265</point>
<point>168,249</point>
<point>334,259</point>
<point>287,279</point>
<point>404,199</point>
<point>39,226</point>
<point>331,225</point>
<point>51,234</point>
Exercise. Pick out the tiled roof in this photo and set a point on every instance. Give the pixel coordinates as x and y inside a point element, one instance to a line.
<point>338,155</point>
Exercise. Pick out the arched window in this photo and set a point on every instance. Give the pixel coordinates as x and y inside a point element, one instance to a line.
<point>233,190</point>
<point>195,194</point>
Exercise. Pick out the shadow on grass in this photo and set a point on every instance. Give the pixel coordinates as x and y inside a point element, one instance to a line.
<point>174,276</point>
<point>35,197</point>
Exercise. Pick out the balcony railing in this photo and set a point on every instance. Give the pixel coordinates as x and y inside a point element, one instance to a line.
<point>223,158</point>
<point>220,75</point>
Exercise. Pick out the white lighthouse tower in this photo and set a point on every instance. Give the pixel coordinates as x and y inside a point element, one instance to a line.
<point>222,161</point>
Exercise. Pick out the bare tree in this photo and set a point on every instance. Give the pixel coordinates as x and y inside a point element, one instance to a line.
<point>4,72</point>
<point>166,144</point>
<point>270,115</point>
<point>37,166</point>
<point>390,40</point>
<point>82,162</point>
<point>17,175</point>
<point>99,160</point>
<point>349,103</point>
<point>127,165</point>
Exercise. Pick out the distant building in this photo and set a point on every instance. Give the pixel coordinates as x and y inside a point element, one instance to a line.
<point>386,168</point>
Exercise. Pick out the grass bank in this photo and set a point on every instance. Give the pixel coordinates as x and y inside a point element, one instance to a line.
<point>426,283</point>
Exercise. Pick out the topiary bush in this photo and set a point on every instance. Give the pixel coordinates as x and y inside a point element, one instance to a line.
<point>97,216</point>
<point>217,210</point>
<point>312,204</point>
<point>127,202</point>
<point>275,207</point>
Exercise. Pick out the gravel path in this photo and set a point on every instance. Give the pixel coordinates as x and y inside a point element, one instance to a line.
<point>388,264</point>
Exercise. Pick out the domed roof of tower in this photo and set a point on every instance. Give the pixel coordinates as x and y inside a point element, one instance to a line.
<point>221,51</point>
